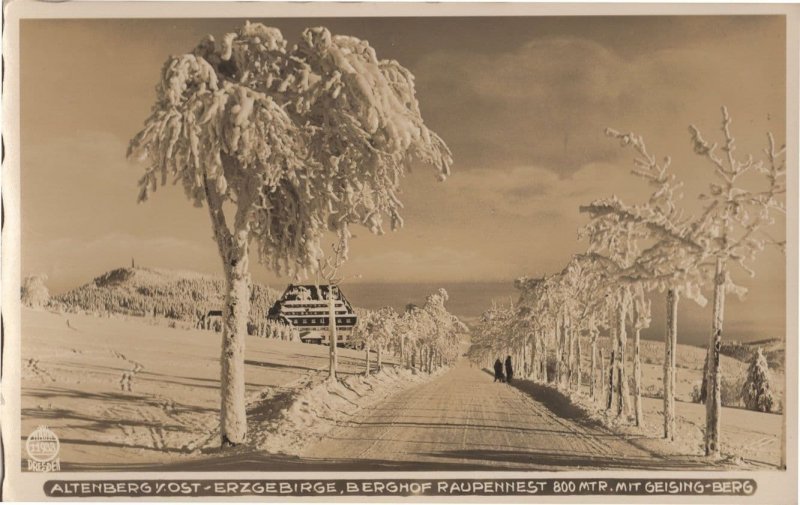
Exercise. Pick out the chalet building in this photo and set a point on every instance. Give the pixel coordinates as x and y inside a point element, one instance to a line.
<point>305,308</point>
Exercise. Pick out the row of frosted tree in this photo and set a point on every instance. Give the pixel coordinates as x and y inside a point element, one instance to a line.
<point>421,338</point>
<point>634,250</point>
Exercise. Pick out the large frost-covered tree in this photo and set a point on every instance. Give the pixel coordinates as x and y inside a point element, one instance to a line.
<point>283,145</point>
<point>671,261</point>
<point>733,229</point>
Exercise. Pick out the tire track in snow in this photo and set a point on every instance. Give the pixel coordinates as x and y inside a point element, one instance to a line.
<point>463,418</point>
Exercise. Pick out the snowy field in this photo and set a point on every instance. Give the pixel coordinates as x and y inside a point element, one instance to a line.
<point>752,437</point>
<point>749,439</point>
<point>121,392</point>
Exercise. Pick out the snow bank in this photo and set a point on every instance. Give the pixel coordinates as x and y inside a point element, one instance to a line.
<point>320,405</point>
<point>749,439</point>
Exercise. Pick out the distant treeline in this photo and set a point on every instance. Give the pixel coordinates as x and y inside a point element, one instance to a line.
<point>144,292</point>
<point>772,348</point>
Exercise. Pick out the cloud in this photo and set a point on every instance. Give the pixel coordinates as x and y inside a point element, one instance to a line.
<point>547,102</point>
<point>439,263</point>
<point>534,191</point>
<point>544,103</point>
<point>80,216</point>
<point>70,261</point>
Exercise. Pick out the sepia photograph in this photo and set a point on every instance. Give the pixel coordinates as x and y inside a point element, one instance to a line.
<point>408,251</point>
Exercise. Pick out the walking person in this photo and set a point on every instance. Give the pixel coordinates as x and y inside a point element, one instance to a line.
<point>498,371</point>
<point>509,370</point>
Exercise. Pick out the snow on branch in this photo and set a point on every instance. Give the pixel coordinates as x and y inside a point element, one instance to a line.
<point>303,139</point>
<point>735,220</point>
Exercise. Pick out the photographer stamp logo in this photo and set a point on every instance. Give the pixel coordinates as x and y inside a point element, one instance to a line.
<point>42,446</point>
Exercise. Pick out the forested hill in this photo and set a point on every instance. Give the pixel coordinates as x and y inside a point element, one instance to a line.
<point>774,350</point>
<point>181,295</point>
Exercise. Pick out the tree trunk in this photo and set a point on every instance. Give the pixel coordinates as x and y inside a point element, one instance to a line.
<point>713,393</point>
<point>602,375</point>
<point>612,362</point>
<point>622,336</point>
<point>569,334</point>
<point>534,371</point>
<point>233,416</point>
<point>543,357</point>
<point>366,359</point>
<point>559,350</point>
<point>593,365</point>
<point>670,345</point>
<point>334,338</point>
<point>236,310</point>
<point>611,369</point>
<point>380,357</point>
<point>429,360</point>
<point>578,359</point>
<point>637,377</point>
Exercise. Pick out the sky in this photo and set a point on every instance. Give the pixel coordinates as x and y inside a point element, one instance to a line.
<point>522,103</point>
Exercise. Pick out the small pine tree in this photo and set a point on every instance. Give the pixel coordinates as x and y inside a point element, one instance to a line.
<point>756,391</point>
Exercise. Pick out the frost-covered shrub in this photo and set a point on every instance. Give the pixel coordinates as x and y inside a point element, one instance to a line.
<point>698,393</point>
<point>653,391</point>
<point>730,392</point>
<point>34,293</point>
<point>279,331</point>
<point>756,391</point>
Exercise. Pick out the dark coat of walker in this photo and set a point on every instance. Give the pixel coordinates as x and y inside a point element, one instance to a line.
<point>509,370</point>
<point>498,371</point>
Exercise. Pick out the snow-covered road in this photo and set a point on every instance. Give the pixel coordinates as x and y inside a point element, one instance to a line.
<point>463,419</point>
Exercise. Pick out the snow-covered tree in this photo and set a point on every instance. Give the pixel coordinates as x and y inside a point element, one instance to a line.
<point>491,339</point>
<point>295,142</point>
<point>442,343</point>
<point>641,320</point>
<point>375,330</point>
<point>34,292</point>
<point>587,293</point>
<point>756,392</point>
<point>531,322</point>
<point>733,228</point>
<point>614,243</point>
<point>406,332</point>
<point>328,268</point>
<point>545,299</point>
<point>671,261</point>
